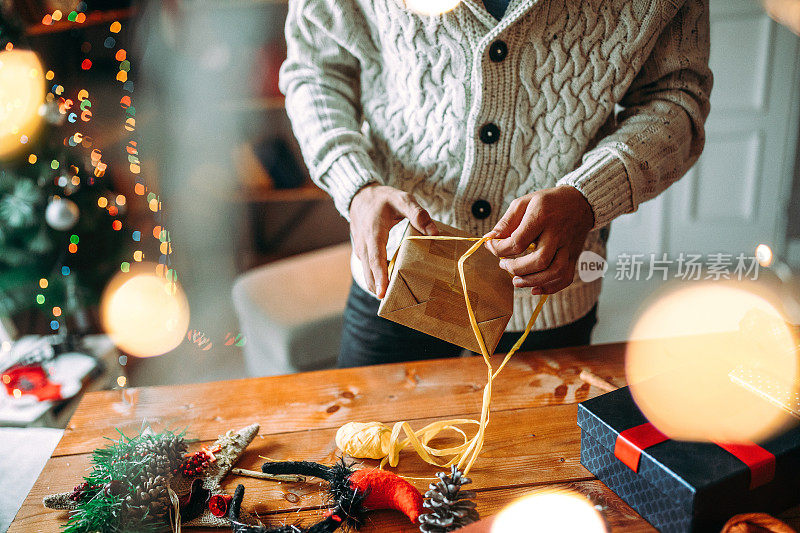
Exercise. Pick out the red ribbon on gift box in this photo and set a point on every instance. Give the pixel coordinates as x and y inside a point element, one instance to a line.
<point>630,443</point>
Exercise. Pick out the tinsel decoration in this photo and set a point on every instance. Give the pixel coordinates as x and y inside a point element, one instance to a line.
<point>450,507</point>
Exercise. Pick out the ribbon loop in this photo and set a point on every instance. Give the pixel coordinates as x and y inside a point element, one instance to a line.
<point>464,455</point>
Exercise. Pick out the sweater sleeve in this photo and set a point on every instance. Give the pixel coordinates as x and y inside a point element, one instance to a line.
<point>660,131</point>
<point>321,81</point>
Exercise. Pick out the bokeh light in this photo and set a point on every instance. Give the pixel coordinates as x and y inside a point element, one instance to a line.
<point>700,338</point>
<point>22,92</point>
<point>764,255</point>
<point>786,12</point>
<point>431,7</point>
<point>143,313</point>
<point>550,510</point>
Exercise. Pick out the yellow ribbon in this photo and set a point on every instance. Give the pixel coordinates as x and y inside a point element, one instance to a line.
<point>374,440</point>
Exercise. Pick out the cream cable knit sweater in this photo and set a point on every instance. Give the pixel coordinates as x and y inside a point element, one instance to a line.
<point>377,93</point>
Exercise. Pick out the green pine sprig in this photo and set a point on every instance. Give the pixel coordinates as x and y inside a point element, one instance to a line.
<point>101,510</point>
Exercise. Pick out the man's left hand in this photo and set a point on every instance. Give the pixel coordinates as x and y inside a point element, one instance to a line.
<point>557,220</point>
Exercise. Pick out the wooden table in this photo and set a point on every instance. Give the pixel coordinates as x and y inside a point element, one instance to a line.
<point>532,440</point>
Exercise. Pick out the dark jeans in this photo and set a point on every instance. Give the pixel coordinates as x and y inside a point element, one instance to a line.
<point>368,339</point>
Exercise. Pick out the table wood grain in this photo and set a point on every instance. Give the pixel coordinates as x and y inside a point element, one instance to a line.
<point>532,442</point>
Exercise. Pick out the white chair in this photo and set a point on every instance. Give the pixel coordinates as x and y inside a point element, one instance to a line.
<point>290,311</point>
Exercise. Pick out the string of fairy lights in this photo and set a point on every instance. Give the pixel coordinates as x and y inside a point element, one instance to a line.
<point>78,110</point>
<point>74,108</point>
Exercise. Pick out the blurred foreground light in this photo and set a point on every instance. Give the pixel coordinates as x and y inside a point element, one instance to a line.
<point>786,12</point>
<point>685,378</point>
<point>144,314</point>
<point>21,94</point>
<point>550,511</point>
<point>764,255</point>
<point>431,7</point>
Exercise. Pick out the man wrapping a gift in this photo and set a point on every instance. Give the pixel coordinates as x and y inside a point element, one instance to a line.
<point>496,117</point>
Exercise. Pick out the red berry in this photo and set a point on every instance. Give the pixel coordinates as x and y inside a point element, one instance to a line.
<point>205,464</point>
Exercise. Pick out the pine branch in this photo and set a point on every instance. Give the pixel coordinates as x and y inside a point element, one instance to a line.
<point>103,509</point>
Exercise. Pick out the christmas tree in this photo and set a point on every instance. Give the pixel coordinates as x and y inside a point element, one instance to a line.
<point>60,221</point>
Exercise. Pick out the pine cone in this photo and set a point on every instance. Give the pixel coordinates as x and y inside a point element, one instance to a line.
<point>167,452</point>
<point>450,507</point>
<point>161,456</point>
<point>148,499</point>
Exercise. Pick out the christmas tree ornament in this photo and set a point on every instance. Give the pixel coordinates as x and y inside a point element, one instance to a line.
<point>353,492</point>
<point>450,507</point>
<point>61,214</point>
<point>218,504</point>
<point>135,483</point>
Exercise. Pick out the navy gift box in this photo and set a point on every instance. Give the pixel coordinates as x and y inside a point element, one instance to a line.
<point>684,486</point>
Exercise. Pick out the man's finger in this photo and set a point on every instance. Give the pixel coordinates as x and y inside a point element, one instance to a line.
<point>507,224</point>
<point>535,261</point>
<point>407,205</point>
<point>368,279</point>
<point>554,286</point>
<point>379,267</point>
<point>510,219</point>
<point>523,235</point>
<point>558,271</point>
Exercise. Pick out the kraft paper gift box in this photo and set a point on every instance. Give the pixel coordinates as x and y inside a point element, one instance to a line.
<point>425,290</point>
<point>681,486</point>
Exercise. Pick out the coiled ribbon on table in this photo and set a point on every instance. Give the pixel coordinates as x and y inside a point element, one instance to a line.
<point>375,440</point>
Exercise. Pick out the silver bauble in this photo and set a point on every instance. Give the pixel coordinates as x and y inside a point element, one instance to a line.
<point>61,214</point>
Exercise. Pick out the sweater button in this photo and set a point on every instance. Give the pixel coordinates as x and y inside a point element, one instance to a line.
<point>489,133</point>
<point>481,209</point>
<point>498,51</point>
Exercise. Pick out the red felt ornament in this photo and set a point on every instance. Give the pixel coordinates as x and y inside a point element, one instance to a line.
<point>387,490</point>
<point>354,493</point>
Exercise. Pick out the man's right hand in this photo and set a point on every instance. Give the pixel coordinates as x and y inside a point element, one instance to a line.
<point>374,210</point>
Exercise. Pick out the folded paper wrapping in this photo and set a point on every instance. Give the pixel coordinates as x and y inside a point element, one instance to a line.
<point>425,290</point>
